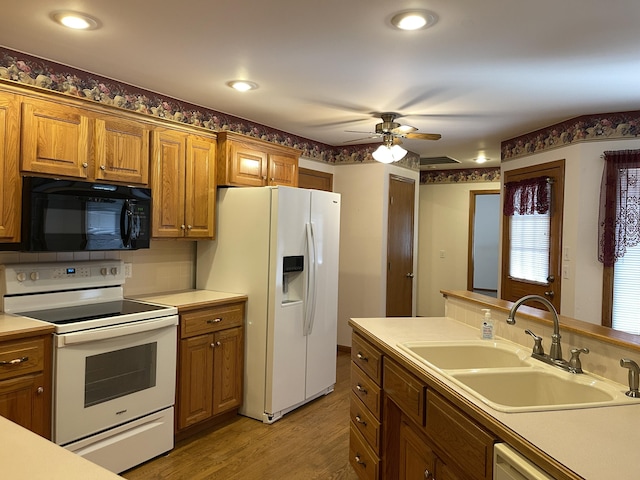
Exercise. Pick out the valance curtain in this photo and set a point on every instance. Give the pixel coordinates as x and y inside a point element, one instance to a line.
<point>619,216</point>
<point>526,197</point>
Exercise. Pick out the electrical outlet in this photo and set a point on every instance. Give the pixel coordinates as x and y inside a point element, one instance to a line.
<point>128,270</point>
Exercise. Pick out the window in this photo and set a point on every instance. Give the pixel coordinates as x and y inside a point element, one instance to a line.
<point>619,240</point>
<point>529,253</point>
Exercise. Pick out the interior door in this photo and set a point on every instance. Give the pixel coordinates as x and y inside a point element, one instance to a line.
<point>400,247</point>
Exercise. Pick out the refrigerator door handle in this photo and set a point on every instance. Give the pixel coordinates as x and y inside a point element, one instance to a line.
<point>310,301</point>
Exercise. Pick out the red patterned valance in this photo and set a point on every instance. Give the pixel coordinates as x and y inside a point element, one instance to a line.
<point>526,197</point>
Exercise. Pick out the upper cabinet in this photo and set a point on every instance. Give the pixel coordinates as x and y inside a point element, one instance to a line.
<point>183,184</point>
<point>10,176</point>
<point>65,140</point>
<point>249,162</point>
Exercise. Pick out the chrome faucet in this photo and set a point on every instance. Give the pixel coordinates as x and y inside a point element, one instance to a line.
<point>555,354</point>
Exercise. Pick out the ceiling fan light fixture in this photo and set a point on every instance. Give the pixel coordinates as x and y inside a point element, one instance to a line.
<point>414,19</point>
<point>242,85</point>
<point>389,153</point>
<point>75,20</point>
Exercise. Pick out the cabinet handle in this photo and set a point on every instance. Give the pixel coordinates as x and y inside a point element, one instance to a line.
<point>15,361</point>
<point>361,389</point>
<point>359,461</point>
<point>182,227</point>
<point>214,320</point>
<point>85,164</point>
<point>362,357</point>
<point>40,390</point>
<point>428,475</point>
<point>102,167</point>
<point>360,421</point>
<point>216,344</point>
<point>189,227</point>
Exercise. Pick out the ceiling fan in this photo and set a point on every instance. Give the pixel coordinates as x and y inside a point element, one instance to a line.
<point>392,134</point>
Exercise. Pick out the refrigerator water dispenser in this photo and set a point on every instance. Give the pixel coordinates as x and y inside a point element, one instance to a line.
<point>292,280</point>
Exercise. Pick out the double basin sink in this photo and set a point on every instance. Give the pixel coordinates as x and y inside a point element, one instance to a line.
<point>503,375</point>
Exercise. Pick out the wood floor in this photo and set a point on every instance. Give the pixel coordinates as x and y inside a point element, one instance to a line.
<point>311,442</point>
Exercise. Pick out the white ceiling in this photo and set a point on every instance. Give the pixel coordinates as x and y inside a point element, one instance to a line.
<point>489,70</point>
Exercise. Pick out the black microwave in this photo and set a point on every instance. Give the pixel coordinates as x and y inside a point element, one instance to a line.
<point>70,216</point>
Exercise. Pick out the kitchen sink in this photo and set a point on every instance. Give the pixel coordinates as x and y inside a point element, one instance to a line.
<point>469,354</point>
<point>503,375</point>
<point>540,389</point>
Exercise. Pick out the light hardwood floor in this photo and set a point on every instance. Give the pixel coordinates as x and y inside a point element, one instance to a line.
<point>311,442</point>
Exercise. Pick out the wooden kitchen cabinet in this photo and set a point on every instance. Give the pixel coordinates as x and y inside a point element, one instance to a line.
<point>69,141</point>
<point>403,429</point>
<point>248,162</point>
<point>10,186</point>
<point>183,185</point>
<point>210,365</point>
<point>25,383</point>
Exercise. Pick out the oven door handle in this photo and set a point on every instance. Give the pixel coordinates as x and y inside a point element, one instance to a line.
<point>114,331</point>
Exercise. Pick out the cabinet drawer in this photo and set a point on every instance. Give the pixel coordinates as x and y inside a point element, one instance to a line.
<point>20,357</point>
<point>468,444</point>
<point>362,459</point>
<point>366,390</point>
<point>405,390</point>
<point>365,423</point>
<point>212,319</point>
<point>367,357</point>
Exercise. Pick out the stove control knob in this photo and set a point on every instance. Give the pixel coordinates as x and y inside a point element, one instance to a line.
<point>34,276</point>
<point>114,270</point>
<point>103,271</point>
<point>21,276</point>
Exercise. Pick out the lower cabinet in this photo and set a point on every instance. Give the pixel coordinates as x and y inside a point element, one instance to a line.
<point>419,435</point>
<point>210,365</point>
<point>25,383</point>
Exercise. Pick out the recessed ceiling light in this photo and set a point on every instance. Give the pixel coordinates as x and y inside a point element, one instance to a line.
<point>242,85</point>
<point>414,19</point>
<point>481,159</point>
<point>75,20</point>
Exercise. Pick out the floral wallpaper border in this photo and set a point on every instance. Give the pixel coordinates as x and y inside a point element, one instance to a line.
<point>603,126</point>
<point>460,176</point>
<point>26,69</point>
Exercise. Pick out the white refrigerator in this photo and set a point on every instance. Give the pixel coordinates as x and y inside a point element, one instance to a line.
<point>279,245</point>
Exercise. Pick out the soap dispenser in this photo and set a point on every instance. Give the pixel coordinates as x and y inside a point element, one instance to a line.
<point>487,325</point>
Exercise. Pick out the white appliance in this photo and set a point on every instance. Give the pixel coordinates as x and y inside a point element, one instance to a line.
<point>279,245</point>
<point>114,359</point>
<point>510,465</point>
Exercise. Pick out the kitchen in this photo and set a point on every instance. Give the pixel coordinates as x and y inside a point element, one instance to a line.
<point>171,267</point>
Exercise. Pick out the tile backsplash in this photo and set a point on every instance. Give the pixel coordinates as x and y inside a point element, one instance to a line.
<point>166,266</point>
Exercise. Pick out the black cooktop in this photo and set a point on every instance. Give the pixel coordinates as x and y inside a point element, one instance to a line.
<point>81,313</point>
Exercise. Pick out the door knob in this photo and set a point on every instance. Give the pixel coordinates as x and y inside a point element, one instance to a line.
<point>409,275</point>
<point>549,293</point>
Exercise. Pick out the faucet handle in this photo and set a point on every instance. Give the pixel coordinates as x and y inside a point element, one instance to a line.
<point>537,346</point>
<point>634,377</point>
<point>574,362</point>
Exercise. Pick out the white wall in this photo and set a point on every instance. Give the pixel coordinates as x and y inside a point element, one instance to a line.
<point>581,296</point>
<point>443,230</point>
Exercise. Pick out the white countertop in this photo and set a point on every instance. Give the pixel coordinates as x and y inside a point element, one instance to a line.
<point>15,326</point>
<point>595,443</point>
<point>191,298</point>
<point>27,456</point>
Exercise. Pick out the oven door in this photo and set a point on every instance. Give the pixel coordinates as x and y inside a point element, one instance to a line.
<point>107,376</point>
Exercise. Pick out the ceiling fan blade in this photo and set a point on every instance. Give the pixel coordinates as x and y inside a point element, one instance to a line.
<point>341,122</point>
<point>423,136</point>
<point>361,139</point>
<point>360,131</point>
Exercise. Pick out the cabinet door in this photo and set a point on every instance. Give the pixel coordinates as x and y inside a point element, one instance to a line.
<point>121,150</point>
<point>443,472</point>
<point>417,460</point>
<point>22,400</point>
<point>196,380</point>
<point>200,188</point>
<point>10,201</point>
<point>247,166</point>
<point>167,183</point>
<point>283,170</point>
<point>55,139</point>
<point>228,356</point>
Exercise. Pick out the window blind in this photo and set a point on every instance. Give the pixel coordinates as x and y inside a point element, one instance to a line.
<point>529,254</point>
<point>626,292</point>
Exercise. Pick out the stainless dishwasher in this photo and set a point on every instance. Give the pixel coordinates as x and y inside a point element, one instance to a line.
<point>510,465</point>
